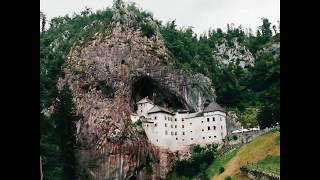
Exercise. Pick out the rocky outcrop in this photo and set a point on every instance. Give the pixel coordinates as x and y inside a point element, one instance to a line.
<point>234,53</point>
<point>232,122</point>
<point>107,77</point>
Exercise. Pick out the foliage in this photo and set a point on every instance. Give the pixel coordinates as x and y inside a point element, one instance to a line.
<point>228,178</point>
<point>221,170</point>
<point>197,164</point>
<point>220,162</point>
<point>138,123</point>
<point>256,87</point>
<point>55,44</point>
<point>270,164</point>
<point>249,117</point>
<point>49,149</point>
<point>235,137</point>
<point>65,118</point>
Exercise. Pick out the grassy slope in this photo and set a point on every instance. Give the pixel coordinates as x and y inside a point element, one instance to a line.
<point>257,150</point>
<point>220,162</point>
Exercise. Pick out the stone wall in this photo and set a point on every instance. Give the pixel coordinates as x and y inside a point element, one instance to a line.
<point>246,137</point>
<point>259,175</point>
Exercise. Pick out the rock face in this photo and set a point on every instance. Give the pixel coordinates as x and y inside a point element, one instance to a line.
<point>107,78</point>
<point>232,122</point>
<point>236,53</point>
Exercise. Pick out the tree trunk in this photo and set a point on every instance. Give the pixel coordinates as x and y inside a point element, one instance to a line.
<point>41,175</point>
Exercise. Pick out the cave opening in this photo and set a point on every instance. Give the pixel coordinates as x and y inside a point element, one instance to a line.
<point>159,94</point>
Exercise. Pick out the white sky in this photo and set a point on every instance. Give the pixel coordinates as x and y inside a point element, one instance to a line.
<point>200,14</point>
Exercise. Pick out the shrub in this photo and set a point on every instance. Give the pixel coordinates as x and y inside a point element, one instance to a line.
<point>227,178</point>
<point>235,137</point>
<point>221,170</point>
<point>200,160</point>
<point>147,30</point>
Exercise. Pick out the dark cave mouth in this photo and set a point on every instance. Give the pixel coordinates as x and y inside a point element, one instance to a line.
<point>160,95</point>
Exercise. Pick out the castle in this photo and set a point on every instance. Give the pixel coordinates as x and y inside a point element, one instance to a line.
<point>178,130</point>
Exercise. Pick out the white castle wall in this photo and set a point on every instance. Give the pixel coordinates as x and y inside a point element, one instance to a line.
<point>175,132</point>
<point>143,108</point>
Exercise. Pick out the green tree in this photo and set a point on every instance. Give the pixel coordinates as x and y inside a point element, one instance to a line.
<point>249,117</point>
<point>43,21</point>
<point>65,120</point>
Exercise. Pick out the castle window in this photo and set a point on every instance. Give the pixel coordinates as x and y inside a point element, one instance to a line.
<point>182,139</point>
<point>147,125</point>
<point>141,110</point>
<point>165,118</point>
<point>165,124</point>
<point>182,119</point>
<point>176,138</point>
<point>141,105</point>
<point>208,128</point>
<point>175,126</point>
<point>155,117</point>
<point>171,126</point>
<point>221,118</point>
<point>203,137</point>
<point>183,133</point>
<point>209,137</point>
<point>175,119</point>
<point>207,119</point>
<point>171,133</point>
<point>157,140</point>
<point>213,119</point>
<point>155,125</point>
<point>202,129</point>
<point>221,127</point>
<point>175,133</point>
<point>214,127</point>
<point>202,121</point>
<point>190,123</point>
<point>191,131</point>
<point>191,138</point>
<point>166,132</point>
<point>182,126</point>
<point>215,136</point>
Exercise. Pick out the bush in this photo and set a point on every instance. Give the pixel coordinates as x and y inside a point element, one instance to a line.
<point>147,30</point>
<point>221,170</point>
<point>200,160</point>
<point>235,137</point>
<point>227,178</point>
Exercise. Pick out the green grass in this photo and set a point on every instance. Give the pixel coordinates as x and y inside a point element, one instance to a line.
<point>220,162</point>
<point>271,164</point>
<point>264,149</point>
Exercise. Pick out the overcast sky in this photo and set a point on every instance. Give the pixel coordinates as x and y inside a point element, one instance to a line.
<point>200,14</point>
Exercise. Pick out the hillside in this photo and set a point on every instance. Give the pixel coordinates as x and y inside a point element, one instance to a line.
<point>263,150</point>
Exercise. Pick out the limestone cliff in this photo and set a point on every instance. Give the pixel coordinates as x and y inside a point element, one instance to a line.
<point>107,77</point>
<point>235,53</point>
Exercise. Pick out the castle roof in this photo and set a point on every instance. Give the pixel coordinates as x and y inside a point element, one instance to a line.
<point>213,106</point>
<point>145,100</point>
<point>156,109</point>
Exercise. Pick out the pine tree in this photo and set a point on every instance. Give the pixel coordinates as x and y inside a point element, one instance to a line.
<point>65,120</point>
